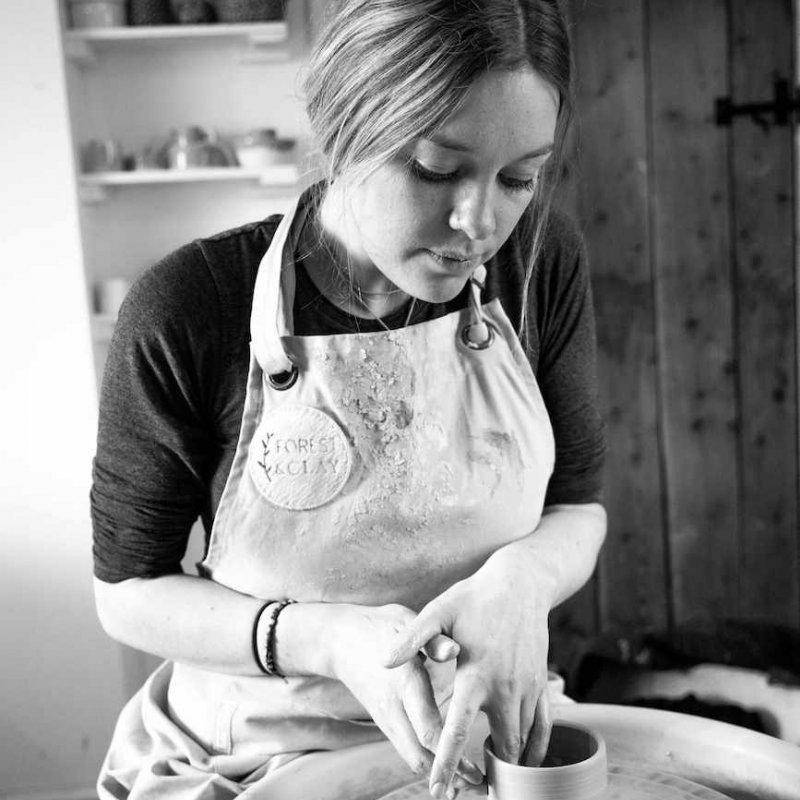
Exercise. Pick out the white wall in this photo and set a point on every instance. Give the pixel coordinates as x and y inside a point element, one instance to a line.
<point>61,682</point>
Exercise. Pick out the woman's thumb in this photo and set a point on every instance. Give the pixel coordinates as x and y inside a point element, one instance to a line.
<point>442,648</point>
<point>421,634</point>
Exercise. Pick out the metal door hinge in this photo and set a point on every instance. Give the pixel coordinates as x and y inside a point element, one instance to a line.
<point>782,107</point>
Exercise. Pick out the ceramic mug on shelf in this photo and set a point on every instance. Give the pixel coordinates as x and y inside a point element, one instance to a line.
<point>193,12</point>
<point>575,768</point>
<point>102,155</point>
<point>98,13</point>
<point>234,11</point>
<point>150,12</point>
<point>109,294</point>
<point>193,146</point>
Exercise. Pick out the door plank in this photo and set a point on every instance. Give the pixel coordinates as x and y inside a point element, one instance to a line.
<point>762,184</point>
<point>612,203</point>
<point>688,66</point>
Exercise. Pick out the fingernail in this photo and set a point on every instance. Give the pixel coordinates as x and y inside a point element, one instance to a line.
<point>451,793</point>
<point>437,790</point>
<point>451,650</point>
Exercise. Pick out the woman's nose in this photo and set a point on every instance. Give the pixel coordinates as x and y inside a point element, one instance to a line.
<point>473,212</point>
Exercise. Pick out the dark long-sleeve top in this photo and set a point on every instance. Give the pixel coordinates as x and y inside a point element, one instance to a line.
<point>174,384</point>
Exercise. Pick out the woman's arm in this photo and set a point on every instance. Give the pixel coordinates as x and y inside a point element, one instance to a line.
<point>198,622</point>
<point>183,618</point>
<point>564,547</point>
<point>498,616</point>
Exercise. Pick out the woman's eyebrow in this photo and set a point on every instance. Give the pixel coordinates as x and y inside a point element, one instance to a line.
<point>452,144</point>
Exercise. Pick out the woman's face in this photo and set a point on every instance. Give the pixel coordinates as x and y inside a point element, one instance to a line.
<point>447,203</point>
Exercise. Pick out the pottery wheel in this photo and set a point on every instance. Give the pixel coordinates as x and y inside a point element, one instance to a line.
<point>626,781</point>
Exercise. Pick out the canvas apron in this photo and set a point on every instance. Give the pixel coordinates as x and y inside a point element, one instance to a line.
<point>393,465</point>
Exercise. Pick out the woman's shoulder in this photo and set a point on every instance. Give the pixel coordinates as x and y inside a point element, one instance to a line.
<point>560,251</point>
<point>243,246</point>
<point>204,283</point>
<point>226,261</point>
<point>563,240</point>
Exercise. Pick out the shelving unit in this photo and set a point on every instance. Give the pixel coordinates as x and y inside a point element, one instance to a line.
<point>259,41</point>
<point>95,187</point>
<point>136,84</point>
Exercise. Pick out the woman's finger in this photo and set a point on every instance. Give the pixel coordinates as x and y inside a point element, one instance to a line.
<point>420,706</point>
<point>394,722</point>
<point>504,719</point>
<point>425,718</point>
<point>539,737</point>
<point>527,716</point>
<point>409,641</point>
<point>464,707</point>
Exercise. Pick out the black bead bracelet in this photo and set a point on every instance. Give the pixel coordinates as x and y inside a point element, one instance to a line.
<point>268,666</point>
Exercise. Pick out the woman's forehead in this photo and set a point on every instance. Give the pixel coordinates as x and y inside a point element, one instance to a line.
<point>513,112</point>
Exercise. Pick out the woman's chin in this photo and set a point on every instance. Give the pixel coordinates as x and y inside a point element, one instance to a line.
<point>440,291</point>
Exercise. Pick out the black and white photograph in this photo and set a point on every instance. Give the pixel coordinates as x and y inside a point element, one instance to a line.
<point>401,399</point>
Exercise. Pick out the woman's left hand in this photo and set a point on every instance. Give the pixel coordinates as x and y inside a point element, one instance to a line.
<point>498,616</point>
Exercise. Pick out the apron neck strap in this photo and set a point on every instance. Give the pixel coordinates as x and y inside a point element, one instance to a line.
<point>271,318</point>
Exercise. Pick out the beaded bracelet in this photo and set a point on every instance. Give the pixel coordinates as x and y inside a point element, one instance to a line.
<point>269,665</point>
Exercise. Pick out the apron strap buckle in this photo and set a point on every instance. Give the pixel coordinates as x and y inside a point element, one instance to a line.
<point>281,381</point>
<point>477,335</point>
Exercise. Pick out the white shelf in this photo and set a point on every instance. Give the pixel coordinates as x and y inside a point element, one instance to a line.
<point>260,41</point>
<point>94,186</point>
<point>272,32</point>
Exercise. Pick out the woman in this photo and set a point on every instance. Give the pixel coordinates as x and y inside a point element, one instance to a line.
<point>366,398</point>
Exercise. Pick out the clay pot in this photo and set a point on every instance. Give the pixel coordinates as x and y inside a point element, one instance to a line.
<point>249,10</point>
<point>97,13</point>
<point>193,12</point>
<point>575,768</point>
<point>150,12</point>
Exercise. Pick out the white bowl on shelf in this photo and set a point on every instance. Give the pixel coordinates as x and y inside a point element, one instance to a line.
<point>98,13</point>
<point>257,157</point>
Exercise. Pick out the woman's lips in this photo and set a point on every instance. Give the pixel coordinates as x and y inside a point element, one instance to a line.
<point>451,259</point>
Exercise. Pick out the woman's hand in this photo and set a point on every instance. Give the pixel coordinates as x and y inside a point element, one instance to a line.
<point>401,701</point>
<point>498,616</point>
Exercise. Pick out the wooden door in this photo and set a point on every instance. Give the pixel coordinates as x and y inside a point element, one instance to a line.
<point>690,232</point>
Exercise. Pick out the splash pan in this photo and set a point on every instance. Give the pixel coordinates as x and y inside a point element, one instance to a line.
<point>651,755</point>
<point>625,782</point>
<point>663,755</point>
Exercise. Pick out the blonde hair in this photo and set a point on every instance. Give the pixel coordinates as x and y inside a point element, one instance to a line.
<point>387,72</point>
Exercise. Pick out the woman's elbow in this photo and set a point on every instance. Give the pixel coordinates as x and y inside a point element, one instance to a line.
<point>114,607</point>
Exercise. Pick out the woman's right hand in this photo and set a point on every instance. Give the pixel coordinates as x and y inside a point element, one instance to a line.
<point>401,701</point>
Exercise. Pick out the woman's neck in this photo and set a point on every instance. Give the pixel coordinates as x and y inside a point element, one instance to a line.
<point>345,276</point>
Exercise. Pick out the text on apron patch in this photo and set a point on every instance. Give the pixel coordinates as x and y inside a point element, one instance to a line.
<point>299,457</point>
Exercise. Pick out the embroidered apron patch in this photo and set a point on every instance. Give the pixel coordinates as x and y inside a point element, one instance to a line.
<point>299,458</point>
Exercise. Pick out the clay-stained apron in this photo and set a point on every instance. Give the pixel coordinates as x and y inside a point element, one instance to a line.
<point>391,467</point>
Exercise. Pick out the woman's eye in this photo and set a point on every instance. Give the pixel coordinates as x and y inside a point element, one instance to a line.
<point>518,184</point>
<point>433,176</point>
<point>429,175</point>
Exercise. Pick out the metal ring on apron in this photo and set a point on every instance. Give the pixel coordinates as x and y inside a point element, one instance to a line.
<point>281,381</point>
<point>479,345</point>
